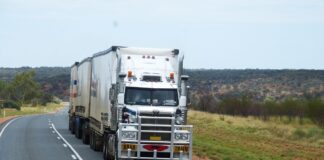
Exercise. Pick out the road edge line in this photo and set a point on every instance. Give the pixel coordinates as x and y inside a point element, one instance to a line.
<point>67,143</point>
<point>7,124</point>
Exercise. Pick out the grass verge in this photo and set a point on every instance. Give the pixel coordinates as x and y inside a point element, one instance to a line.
<point>238,138</point>
<point>26,110</point>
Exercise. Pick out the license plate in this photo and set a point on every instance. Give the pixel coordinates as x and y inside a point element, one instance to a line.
<point>184,149</point>
<point>155,138</point>
<point>129,146</point>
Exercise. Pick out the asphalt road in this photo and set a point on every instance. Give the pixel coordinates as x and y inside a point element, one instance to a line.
<point>38,137</point>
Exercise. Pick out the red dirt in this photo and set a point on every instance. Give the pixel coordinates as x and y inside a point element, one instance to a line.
<point>6,118</point>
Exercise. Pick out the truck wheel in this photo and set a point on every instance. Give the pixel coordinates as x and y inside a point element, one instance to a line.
<point>112,146</point>
<point>105,153</point>
<point>85,133</point>
<point>91,139</point>
<point>78,129</point>
<point>72,125</point>
<point>97,142</point>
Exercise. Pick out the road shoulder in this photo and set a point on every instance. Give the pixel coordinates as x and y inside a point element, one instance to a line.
<point>3,120</point>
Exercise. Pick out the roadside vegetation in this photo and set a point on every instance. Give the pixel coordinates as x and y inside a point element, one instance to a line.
<point>23,95</point>
<point>28,110</point>
<point>236,137</point>
<point>301,109</point>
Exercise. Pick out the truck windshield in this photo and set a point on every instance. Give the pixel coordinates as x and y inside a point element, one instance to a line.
<point>154,97</point>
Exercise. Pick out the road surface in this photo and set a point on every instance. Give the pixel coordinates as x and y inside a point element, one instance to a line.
<point>42,137</point>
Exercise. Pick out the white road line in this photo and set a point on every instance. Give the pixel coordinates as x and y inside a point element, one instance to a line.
<point>68,144</point>
<point>3,129</point>
<point>73,156</point>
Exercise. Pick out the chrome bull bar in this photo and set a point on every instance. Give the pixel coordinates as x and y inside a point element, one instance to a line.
<point>171,144</point>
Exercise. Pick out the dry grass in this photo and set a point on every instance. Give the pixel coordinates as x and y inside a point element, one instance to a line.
<point>27,110</point>
<point>227,137</point>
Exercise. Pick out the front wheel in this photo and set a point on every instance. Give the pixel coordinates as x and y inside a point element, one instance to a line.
<point>105,147</point>
<point>112,147</point>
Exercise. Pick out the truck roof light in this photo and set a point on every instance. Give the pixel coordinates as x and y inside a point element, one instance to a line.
<point>129,57</point>
<point>167,59</point>
<point>153,57</point>
<point>171,75</point>
<point>148,57</point>
<point>143,56</point>
<point>130,74</point>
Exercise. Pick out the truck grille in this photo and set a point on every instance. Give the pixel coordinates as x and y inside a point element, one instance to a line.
<point>163,136</point>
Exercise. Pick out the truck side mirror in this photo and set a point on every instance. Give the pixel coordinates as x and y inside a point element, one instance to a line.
<point>188,96</point>
<point>183,101</point>
<point>121,98</point>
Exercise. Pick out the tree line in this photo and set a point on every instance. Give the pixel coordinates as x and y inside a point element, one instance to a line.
<point>312,108</point>
<point>23,89</point>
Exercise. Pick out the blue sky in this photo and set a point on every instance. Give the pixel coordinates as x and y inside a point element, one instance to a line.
<point>234,34</point>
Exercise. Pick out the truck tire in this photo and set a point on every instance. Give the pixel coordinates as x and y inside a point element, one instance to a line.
<point>77,131</point>
<point>70,126</point>
<point>95,141</point>
<point>112,146</point>
<point>91,139</point>
<point>85,133</point>
<point>72,121</point>
<point>105,148</point>
<point>78,128</point>
<point>98,142</point>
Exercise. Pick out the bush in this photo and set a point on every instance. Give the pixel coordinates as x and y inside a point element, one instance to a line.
<point>11,104</point>
<point>299,133</point>
<point>316,111</point>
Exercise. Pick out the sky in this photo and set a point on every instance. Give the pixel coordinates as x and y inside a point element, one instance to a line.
<point>212,34</point>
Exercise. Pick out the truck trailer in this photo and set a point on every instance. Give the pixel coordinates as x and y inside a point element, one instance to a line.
<point>132,104</point>
<point>82,106</point>
<point>73,95</point>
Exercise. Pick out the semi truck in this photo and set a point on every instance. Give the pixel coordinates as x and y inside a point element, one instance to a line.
<point>131,103</point>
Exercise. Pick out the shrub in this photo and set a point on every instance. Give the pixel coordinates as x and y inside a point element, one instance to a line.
<point>11,104</point>
<point>299,133</point>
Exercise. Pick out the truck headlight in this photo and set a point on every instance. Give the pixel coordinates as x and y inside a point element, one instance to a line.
<point>179,120</point>
<point>129,135</point>
<point>132,119</point>
<point>182,136</point>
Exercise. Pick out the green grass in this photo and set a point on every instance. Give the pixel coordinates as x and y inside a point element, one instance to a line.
<point>27,110</point>
<point>236,138</point>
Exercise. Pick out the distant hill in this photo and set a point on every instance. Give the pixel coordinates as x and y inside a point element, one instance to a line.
<point>54,80</point>
<point>259,84</point>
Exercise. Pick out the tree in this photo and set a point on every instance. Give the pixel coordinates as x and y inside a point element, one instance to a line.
<point>3,87</point>
<point>206,102</point>
<point>23,89</point>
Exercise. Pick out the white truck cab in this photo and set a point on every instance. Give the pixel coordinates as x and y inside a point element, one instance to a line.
<point>153,102</point>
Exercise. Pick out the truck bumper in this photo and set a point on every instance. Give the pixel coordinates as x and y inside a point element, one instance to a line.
<point>138,147</point>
